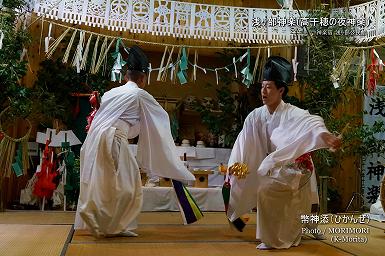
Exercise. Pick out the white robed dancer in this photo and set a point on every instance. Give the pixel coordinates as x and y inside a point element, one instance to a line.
<point>273,136</point>
<point>110,185</point>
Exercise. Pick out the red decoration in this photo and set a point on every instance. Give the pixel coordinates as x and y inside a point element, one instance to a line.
<point>305,162</point>
<point>95,104</point>
<point>373,74</point>
<point>44,185</point>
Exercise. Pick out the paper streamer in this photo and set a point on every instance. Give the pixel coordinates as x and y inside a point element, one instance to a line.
<point>1,39</point>
<point>48,38</point>
<point>295,63</point>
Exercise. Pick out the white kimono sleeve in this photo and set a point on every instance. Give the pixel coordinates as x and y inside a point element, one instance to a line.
<point>156,149</point>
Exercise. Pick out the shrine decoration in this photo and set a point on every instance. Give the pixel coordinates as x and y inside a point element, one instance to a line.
<point>8,146</point>
<point>95,104</point>
<point>188,207</point>
<point>182,19</point>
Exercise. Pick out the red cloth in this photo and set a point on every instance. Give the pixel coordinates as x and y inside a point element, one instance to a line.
<point>95,104</point>
<point>305,162</point>
<point>45,185</point>
<point>373,74</point>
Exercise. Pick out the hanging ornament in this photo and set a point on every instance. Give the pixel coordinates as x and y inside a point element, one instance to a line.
<point>149,73</point>
<point>256,64</point>
<point>235,67</point>
<point>85,54</point>
<point>295,63</point>
<point>95,104</point>
<point>118,64</point>
<point>183,65</point>
<point>1,39</point>
<point>247,76</point>
<point>363,67</point>
<point>216,75</point>
<point>373,73</point>
<point>77,60</point>
<point>103,54</point>
<point>195,66</point>
<point>69,46</point>
<point>286,4</point>
<point>48,38</point>
<point>168,65</point>
<point>161,64</point>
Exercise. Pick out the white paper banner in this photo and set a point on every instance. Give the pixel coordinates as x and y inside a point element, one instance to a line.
<point>373,166</point>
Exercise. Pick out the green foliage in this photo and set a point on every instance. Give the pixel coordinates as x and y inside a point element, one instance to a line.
<point>54,85</point>
<point>233,107</point>
<point>218,121</point>
<point>12,68</point>
<point>321,98</point>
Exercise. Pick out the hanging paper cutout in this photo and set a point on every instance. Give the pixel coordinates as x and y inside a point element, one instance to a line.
<point>247,76</point>
<point>118,64</point>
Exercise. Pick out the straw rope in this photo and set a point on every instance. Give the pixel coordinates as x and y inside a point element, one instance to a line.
<point>342,68</point>
<point>55,44</point>
<point>103,53</point>
<point>8,148</point>
<point>85,54</point>
<point>68,50</point>
<point>164,75</point>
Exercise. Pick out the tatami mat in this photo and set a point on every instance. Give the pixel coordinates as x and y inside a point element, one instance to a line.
<point>33,240</point>
<point>37,217</point>
<point>377,224</point>
<point>375,240</point>
<point>162,233</point>
<point>309,247</point>
<point>174,233</point>
<point>175,218</point>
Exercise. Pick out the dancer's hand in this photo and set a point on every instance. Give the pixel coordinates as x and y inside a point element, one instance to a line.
<point>334,142</point>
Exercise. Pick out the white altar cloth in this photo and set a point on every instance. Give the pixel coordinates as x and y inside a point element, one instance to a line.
<point>203,158</point>
<point>164,199</point>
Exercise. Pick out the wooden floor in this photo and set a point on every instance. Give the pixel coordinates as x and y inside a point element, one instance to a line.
<point>161,233</point>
